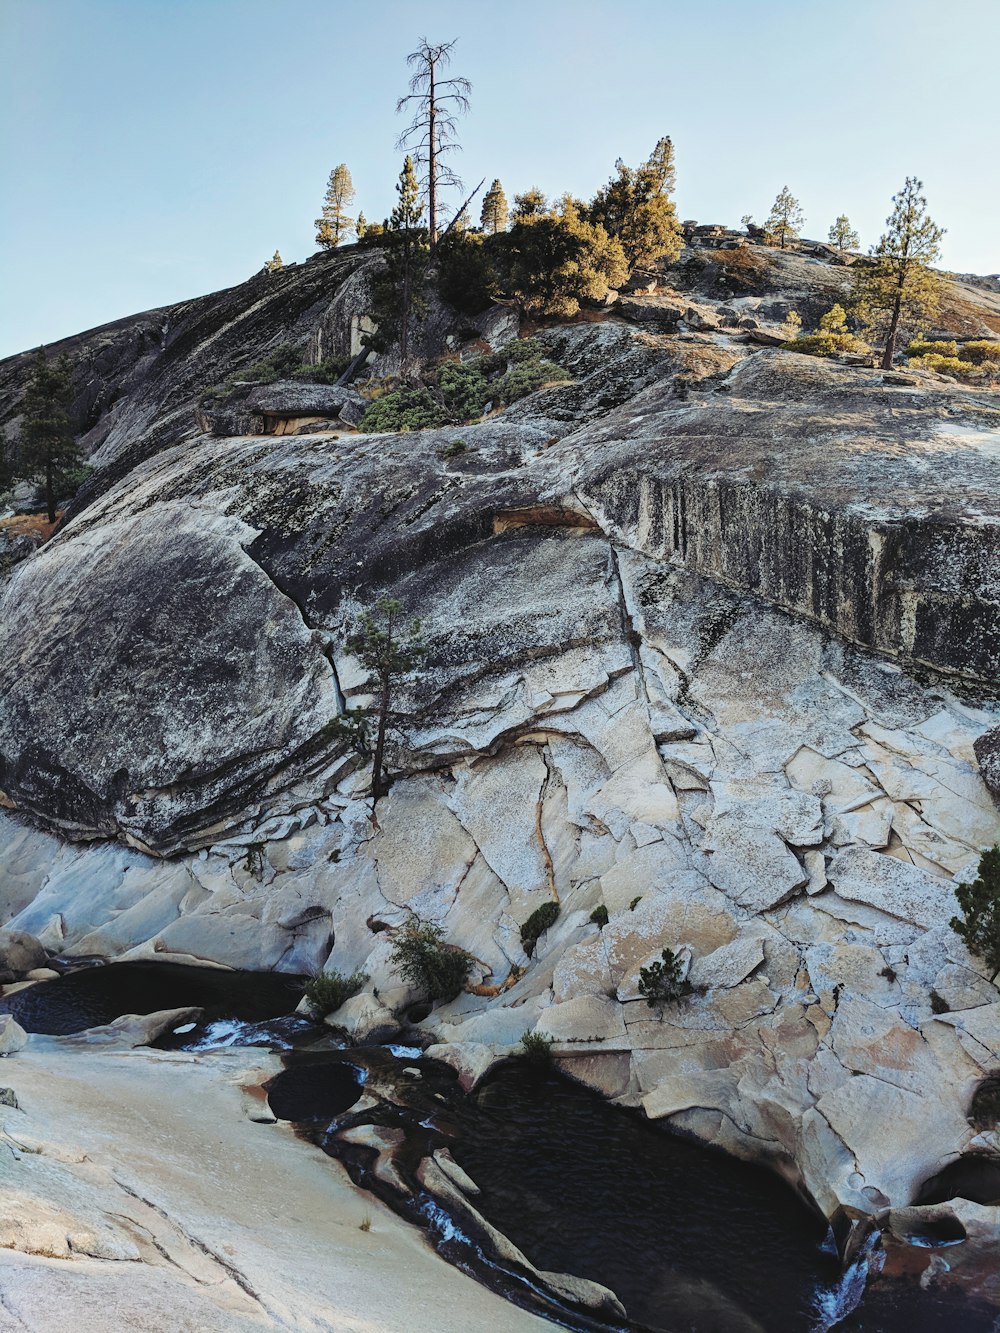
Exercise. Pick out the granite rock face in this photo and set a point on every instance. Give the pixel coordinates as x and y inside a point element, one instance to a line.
<point>674,614</point>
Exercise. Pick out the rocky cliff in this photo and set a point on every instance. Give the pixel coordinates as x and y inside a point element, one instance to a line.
<point>713,632</point>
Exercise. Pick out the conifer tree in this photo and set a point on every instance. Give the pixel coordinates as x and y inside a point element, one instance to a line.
<point>784,220</point>
<point>399,294</point>
<point>334,224</point>
<point>494,215</point>
<point>530,204</point>
<point>389,651</point>
<point>661,165</point>
<point>436,104</point>
<point>275,262</point>
<point>361,226</point>
<point>843,235</point>
<point>896,287</point>
<point>635,207</point>
<point>48,447</point>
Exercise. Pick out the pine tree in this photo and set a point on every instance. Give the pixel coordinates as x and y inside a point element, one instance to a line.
<point>635,207</point>
<point>530,204</point>
<point>48,446</point>
<point>361,226</point>
<point>436,104</point>
<point>389,652</point>
<point>334,224</point>
<point>784,220</point>
<point>661,165</point>
<point>896,287</point>
<point>274,263</point>
<point>843,235</point>
<point>494,215</point>
<point>399,294</point>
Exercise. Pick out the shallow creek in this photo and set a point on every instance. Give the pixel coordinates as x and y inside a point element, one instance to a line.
<point>686,1238</point>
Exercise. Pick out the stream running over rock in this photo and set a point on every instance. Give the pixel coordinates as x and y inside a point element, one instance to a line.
<point>686,1238</point>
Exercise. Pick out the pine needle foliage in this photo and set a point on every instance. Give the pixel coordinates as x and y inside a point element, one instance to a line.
<point>896,288</point>
<point>979,925</point>
<point>327,991</point>
<point>784,221</point>
<point>333,224</point>
<point>843,235</point>
<point>537,924</point>
<point>427,962</point>
<point>493,217</point>
<point>390,650</point>
<point>663,982</point>
<point>48,447</point>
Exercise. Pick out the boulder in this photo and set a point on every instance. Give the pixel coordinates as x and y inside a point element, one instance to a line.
<point>131,1030</point>
<point>20,952</point>
<point>12,1036</point>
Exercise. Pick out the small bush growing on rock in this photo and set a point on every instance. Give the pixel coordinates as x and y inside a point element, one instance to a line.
<point>537,924</point>
<point>456,392</point>
<point>599,916</point>
<point>663,981</point>
<point>424,960</point>
<point>832,336</point>
<point>327,991</point>
<point>979,925</point>
<point>536,1048</point>
<point>984,1113</point>
<point>977,362</point>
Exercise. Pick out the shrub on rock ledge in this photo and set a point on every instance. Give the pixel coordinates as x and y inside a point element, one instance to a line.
<point>537,924</point>
<point>439,970</point>
<point>663,982</point>
<point>980,904</point>
<point>327,991</point>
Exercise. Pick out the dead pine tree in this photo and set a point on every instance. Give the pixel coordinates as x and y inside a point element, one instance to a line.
<point>436,104</point>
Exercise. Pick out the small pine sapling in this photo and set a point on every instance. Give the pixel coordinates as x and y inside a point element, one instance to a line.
<point>663,981</point>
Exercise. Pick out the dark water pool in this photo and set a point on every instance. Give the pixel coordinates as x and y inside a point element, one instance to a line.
<point>688,1239</point>
<point>96,995</point>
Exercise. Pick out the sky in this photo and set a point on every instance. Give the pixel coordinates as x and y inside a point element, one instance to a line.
<point>155,150</point>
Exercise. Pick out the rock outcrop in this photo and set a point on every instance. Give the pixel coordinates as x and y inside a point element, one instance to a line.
<point>713,637</point>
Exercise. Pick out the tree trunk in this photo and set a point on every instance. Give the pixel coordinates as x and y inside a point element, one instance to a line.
<point>404,330</point>
<point>50,498</point>
<point>383,722</point>
<point>890,341</point>
<point>431,162</point>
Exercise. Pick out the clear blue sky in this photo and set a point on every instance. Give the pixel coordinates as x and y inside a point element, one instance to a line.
<point>154,150</point>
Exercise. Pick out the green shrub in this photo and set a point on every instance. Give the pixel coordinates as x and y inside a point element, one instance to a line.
<point>456,392</point>
<point>981,351</point>
<point>466,274</point>
<point>536,924</point>
<point>427,962</point>
<point>326,372</point>
<point>976,362</point>
<point>327,991</point>
<point>984,1113</point>
<point>599,916</point>
<point>403,410</point>
<point>979,925</point>
<point>662,982</point>
<point>832,336</point>
<point>536,1048</point>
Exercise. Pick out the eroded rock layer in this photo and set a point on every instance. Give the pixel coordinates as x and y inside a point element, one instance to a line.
<point>641,595</point>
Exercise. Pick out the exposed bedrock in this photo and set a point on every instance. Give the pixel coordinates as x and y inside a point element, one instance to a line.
<point>871,510</point>
<point>602,719</point>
